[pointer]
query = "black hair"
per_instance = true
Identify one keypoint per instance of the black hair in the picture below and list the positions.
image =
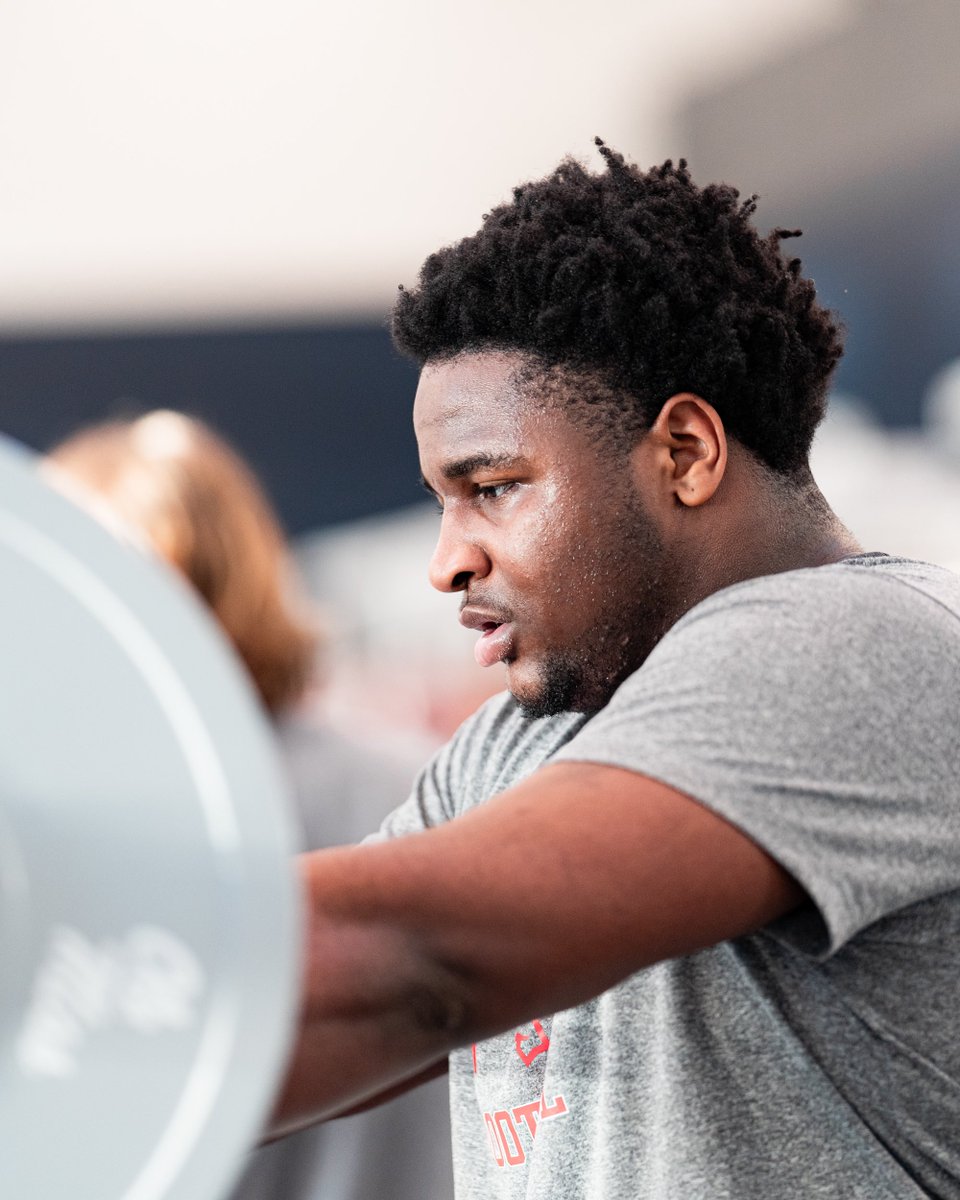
(647, 285)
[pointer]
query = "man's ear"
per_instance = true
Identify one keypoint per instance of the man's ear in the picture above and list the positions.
(689, 448)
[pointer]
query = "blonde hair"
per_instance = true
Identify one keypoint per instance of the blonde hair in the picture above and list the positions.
(170, 477)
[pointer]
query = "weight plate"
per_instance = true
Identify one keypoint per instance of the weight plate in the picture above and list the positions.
(149, 923)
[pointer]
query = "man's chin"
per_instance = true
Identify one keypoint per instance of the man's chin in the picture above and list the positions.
(553, 688)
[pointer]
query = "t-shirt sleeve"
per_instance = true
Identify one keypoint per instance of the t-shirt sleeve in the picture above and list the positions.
(821, 717)
(432, 799)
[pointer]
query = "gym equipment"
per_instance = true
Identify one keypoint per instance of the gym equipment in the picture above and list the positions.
(149, 913)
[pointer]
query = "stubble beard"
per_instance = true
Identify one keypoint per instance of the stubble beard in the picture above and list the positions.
(585, 682)
(560, 686)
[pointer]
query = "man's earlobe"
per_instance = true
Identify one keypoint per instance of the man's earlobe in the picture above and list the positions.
(690, 431)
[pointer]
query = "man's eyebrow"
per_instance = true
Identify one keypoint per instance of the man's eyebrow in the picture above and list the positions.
(459, 468)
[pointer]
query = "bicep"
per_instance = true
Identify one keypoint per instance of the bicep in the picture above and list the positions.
(578, 877)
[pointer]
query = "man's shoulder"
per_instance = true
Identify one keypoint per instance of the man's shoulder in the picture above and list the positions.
(862, 587)
(875, 618)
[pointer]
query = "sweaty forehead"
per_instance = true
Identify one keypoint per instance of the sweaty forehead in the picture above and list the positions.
(467, 391)
(488, 409)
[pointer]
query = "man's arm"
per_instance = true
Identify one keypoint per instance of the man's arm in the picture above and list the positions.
(537, 901)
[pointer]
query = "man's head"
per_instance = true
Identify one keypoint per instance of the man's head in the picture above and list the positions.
(561, 340)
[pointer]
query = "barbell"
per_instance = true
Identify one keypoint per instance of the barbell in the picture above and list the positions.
(149, 914)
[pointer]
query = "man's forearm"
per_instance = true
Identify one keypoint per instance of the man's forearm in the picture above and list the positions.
(377, 1010)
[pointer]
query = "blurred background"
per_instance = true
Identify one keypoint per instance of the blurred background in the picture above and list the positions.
(208, 206)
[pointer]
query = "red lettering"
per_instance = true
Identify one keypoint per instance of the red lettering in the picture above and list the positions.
(528, 1113)
(538, 1041)
(504, 1126)
(494, 1140)
(557, 1108)
(504, 1135)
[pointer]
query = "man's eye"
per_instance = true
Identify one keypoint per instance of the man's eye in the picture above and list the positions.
(493, 491)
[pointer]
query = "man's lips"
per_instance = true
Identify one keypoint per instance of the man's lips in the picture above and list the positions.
(494, 645)
(496, 635)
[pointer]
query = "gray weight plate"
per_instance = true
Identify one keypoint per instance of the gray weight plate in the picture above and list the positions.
(149, 924)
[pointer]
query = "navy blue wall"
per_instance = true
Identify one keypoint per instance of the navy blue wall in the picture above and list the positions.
(885, 253)
(322, 412)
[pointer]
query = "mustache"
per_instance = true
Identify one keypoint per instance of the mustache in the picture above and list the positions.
(490, 605)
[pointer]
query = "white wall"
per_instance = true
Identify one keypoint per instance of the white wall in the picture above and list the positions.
(180, 159)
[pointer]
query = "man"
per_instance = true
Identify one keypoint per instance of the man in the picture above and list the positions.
(715, 827)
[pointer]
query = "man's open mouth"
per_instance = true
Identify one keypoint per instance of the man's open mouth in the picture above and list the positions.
(494, 644)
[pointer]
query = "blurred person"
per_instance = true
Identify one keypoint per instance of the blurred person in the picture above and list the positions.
(167, 480)
(680, 912)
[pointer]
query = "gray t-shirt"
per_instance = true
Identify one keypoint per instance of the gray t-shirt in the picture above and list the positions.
(819, 711)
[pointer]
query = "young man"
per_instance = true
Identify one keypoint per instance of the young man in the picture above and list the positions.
(715, 826)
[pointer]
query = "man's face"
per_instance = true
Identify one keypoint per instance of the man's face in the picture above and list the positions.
(562, 570)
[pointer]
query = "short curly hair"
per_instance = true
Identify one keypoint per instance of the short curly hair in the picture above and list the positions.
(647, 285)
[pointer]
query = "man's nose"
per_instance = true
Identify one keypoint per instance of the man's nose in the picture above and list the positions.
(457, 558)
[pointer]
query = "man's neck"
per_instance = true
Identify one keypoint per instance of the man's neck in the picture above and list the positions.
(766, 530)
